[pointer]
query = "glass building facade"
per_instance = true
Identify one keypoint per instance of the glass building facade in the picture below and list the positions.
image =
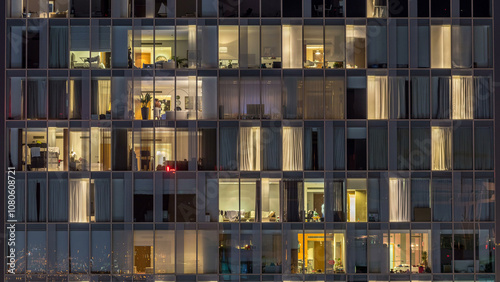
(250, 140)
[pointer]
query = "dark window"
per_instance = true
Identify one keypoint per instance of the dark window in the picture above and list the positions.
(356, 148)
(398, 8)
(271, 8)
(249, 8)
(186, 8)
(440, 8)
(292, 8)
(356, 8)
(101, 8)
(207, 149)
(334, 8)
(227, 8)
(482, 8)
(462, 8)
(422, 8)
(356, 98)
(80, 9)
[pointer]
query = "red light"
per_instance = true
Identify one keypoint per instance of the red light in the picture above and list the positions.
(169, 169)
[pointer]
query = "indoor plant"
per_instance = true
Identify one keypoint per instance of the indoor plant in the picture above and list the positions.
(145, 99)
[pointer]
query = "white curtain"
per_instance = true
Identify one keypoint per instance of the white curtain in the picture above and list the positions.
(462, 47)
(104, 88)
(292, 46)
(441, 148)
(399, 193)
(377, 97)
(249, 148)
(292, 148)
(462, 97)
(79, 200)
(440, 46)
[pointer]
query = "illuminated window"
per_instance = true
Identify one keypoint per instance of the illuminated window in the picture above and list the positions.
(356, 200)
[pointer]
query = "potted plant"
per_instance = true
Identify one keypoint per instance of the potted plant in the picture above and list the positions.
(179, 61)
(145, 99)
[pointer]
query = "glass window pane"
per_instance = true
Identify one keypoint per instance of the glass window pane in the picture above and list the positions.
(292, 46)
(356, 200)
(270, 51)
(228, 46)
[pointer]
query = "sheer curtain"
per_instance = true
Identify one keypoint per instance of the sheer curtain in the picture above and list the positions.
(292, 46)
(250, 97)
(441, 97)
(271, 148)
(420, 97)
(462, 147)
(79, 200)
(461, 52)
(36, 97)
(399, 199)
(36, 201)
(377, 97)
(58, 46)
(249, 148)
(314, 102)
(483, 97)
(399, 97)
(462, 97)
(441, 148)
(440, 46)
(101, 96)
(58, 99)
(58, 200)
(334, 100)
(102, 196)
(228, 98)
(271, 97)
(292, 148)
(228, 148)
(377, 147)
